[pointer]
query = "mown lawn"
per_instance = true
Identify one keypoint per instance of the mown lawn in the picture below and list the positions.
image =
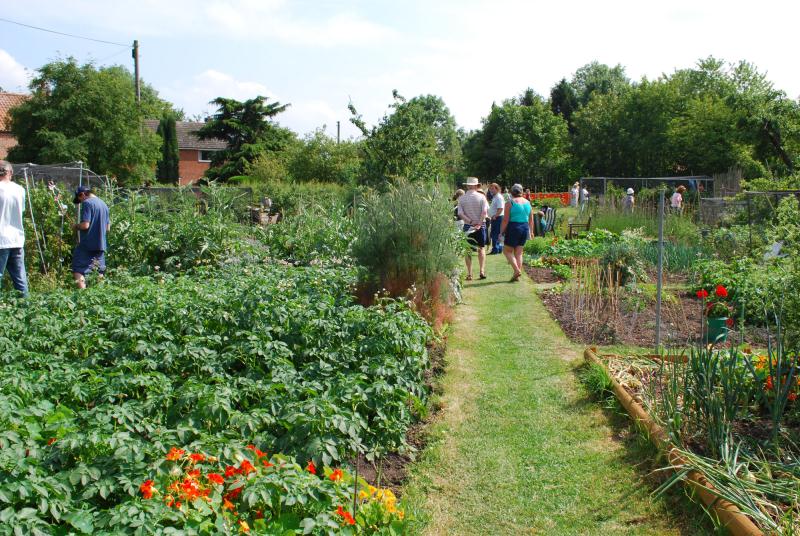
(520, 448)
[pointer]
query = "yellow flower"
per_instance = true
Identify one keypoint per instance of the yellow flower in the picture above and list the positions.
(400, 514)
(372, 489)
(243, 526)
(363, 495)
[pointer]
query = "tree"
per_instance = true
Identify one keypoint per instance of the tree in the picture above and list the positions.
(167, 168)
(521, 141)
(564, 101)
(321, 158)
(80, 112)
(248, 129)
(418, 141)
(599, 79)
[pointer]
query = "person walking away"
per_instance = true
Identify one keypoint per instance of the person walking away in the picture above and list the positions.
(584, 199)
(517, 228)
(12, 232)
(473, 210)
(676, 201)
(573, 194)
(496, 210)
(628, 202)
(95, 223)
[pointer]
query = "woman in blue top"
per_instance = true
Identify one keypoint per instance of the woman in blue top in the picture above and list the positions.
(517, 227)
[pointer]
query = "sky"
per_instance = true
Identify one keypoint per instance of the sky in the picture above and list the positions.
(318, 56)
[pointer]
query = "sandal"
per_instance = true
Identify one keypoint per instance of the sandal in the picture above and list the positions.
(468, 278)
(515, 277)
(482, 276)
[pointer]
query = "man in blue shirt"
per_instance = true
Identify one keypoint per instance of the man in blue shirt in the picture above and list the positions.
(90, 252)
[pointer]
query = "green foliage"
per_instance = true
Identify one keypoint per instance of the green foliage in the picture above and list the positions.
(248, 129)
(98, 384)
(596, 380)
(523, 143)
(167, 167)
(599, 79)
(622, 260)
(321, 159)
(536, 246)
(79, 112)
(406, 237)
(417, 142)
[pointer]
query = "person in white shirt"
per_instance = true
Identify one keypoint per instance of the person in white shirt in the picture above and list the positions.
(573, 194)
(676, 201)
(473, 210)
(496, 210)
(629, 201)
(12, 232)
(584, 199)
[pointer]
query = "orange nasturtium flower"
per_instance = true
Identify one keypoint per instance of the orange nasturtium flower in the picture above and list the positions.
(215, 478)
(266, 463)
(230, 471)
(346, 515)
(311, 468)
(227, 505)
(336, 475)
(246, 467)
(197, 457)
(147, 489)
(175, 454)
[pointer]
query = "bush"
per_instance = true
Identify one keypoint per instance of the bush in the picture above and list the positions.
(406, 239)
(536, 246)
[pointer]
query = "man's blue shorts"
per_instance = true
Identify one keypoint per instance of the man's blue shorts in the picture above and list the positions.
(84, 261)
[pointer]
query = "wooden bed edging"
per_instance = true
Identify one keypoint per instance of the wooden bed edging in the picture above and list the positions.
(729, 515)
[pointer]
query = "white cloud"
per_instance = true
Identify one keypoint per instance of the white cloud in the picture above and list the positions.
(13, 75)
(195, 97)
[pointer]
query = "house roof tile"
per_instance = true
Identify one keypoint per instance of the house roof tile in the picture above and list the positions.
(187, 139)
(8, 101)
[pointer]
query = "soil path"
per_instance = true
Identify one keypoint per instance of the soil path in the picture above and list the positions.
(519, 447)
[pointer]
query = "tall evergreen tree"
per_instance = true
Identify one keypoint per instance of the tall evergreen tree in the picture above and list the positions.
(167, 168)
(564, 102)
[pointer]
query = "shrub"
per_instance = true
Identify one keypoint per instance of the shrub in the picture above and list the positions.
(406, 239)
(536, 246)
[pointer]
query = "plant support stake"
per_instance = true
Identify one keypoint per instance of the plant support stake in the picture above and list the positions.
(660, 268)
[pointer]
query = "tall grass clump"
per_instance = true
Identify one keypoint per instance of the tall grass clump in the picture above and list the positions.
(407, 243)
(678, 227)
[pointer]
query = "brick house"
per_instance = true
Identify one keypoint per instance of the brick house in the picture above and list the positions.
(195, 154)
(8, 101)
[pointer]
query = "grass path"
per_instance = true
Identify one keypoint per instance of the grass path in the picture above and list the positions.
(519, 448)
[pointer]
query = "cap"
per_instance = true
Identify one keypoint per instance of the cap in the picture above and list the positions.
(80, 190)
(630, 191)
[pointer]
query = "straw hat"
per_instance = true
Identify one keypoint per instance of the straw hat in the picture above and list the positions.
(472, 181)
(630, 191)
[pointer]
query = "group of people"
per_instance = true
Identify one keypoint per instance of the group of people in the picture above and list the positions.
(92, 228)
(507, 221)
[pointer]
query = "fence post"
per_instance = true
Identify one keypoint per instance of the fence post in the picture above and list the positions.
(660, 275)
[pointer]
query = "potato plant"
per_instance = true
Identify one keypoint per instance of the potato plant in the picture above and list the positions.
(98, 385)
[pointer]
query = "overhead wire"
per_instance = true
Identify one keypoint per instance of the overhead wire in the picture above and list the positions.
(64, 33)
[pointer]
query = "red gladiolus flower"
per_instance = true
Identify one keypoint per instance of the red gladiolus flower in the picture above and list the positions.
(175, 454)
(197, 457)
(702, 293)
(346, 515)
(147, 489)
(215, 478)
(336, 475)
(311, 468)
(721, 291)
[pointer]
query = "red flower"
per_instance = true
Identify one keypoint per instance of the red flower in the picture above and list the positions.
(250, 447)
(266, 463)
(232, 494)
(311, 468)
(768, 385)
(246, 467)
(336, 475)
(721, 291)
(702, 293)
(259, 514)
(346, 515)
(195, 474)
(175, 454)
(147, 489)
(197, 457)
(729, 322)
(231, 471)
(51, 440)
(215, 478)
(792, 397)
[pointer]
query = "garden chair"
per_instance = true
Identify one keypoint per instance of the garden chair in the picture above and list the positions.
(574, 228)
(549, 222)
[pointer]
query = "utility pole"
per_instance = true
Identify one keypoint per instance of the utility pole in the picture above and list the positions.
(135, 55)
(338, 131)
